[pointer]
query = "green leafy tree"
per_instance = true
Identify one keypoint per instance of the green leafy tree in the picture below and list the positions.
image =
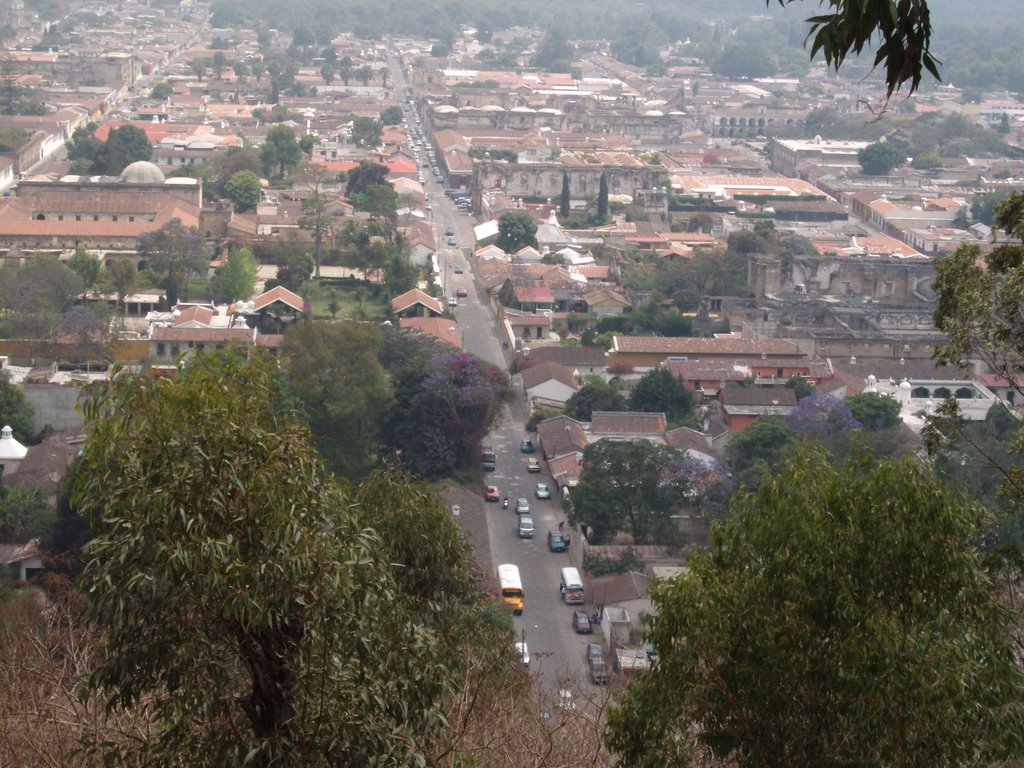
(926, 161)
(245, 599)
(841, 617)
(125, 145)
(658, 391)
(35, 295)
(755, 449)
(983, 206)
(596, 395)
(15, 411)
(392, 115)
(602, 200)
(981, 311)
(563, 203)
(293, 269)
(86, 265)
(86, 150)
(236, 279)
(243, 189)
(742, 60)
(24, 514)
(880, 158)
(400, 275)
(122, 278)
(801, 387)
(280, 150)
(162, 91)
(366, 174)
(334, 372)
(516, 230)
(379, 200)
(316, 220)
(218, 62)
(874, 411)
(366, 132)
(177, 252)
(328, 72)
(628, 486)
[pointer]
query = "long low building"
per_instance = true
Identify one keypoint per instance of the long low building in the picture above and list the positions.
(641, 352)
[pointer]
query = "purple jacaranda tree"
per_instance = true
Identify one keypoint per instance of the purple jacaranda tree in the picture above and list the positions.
(821, 416)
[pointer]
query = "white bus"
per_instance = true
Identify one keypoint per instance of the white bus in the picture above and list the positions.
(511, 587)
(572, 587)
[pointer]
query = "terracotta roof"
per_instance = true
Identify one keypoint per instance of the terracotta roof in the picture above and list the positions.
(202, 315)
(236, 335)
(561, 435)
(627, 423)
(704, 346)
(279, 294)
(566, 469)
(416, 296)
(590, 357)
(619, 587)
(270, 340)
(775, 396)
(441, 328)
(545, 371)
(684, 438)
(533, 294)
(16, 553)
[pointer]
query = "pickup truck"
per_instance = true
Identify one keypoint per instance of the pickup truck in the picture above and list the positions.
(489, 458)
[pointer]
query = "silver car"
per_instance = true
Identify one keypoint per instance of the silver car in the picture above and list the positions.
(543, 492)
(522, 506)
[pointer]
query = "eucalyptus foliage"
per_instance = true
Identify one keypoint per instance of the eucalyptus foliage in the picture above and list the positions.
(262, 614)
(841, 617)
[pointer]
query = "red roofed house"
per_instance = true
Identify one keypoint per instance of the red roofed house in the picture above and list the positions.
(742, 405)
(649, 351)
(416, 303)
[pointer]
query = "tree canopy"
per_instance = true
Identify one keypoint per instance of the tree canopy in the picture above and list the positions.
(516, 230)
(261, 613)
(243, 189)
(15, 411)
(334, 372)
(840, 617)
(880, 158)
(660, 392)
(631, 486)
(596, 395)
(236, 279)
(176, 251)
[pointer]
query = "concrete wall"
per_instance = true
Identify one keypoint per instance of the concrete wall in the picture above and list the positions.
(54, 404)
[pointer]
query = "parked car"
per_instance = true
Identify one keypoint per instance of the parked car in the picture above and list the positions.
(491, 494)
(452, 241)
(452, 301)
(556, 541)
(525, 527)
(449, 232)
(594, 650)
(522, 506)
(543, 492)
(523, 654)
(581, 623)
(461, 292)
(533, 465)
(526, 446)
(598, 669)
(458, 271)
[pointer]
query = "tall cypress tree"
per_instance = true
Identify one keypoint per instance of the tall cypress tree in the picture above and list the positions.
(563, 208)
(602, 199)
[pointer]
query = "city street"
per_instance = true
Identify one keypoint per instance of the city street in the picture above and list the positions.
(556, 650)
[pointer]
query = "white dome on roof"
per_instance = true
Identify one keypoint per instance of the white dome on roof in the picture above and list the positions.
(11, 449)
(445, 109)
(142, 172)
(491, 108)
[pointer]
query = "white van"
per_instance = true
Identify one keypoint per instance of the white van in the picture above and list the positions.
(572, 587)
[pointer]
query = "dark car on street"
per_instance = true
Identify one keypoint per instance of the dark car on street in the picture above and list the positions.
(581, 623)
(526, 446)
